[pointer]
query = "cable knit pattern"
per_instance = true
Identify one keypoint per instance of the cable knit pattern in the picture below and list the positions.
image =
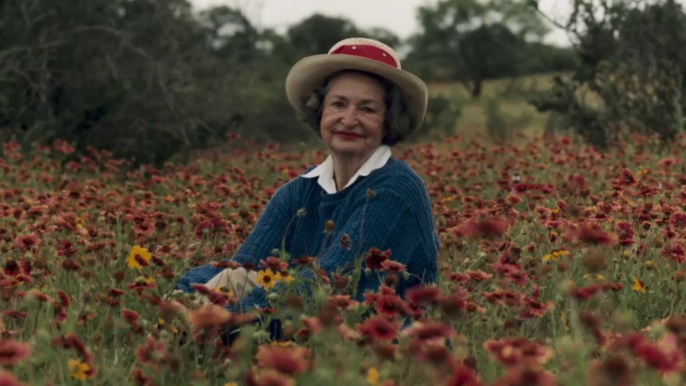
(398, 217)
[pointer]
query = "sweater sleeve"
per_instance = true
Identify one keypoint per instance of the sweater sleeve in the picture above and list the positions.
(267, 234)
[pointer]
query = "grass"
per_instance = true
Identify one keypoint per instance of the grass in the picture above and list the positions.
(509, 93)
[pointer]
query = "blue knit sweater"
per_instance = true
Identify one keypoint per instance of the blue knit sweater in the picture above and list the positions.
(398, 217)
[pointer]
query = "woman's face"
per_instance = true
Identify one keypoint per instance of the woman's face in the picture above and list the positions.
(353, 115)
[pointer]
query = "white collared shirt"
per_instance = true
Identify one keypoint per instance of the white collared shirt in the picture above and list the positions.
(325, 170)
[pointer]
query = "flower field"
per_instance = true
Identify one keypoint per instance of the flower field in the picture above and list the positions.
(559, 265)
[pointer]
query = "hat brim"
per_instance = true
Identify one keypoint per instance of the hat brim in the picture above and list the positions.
(310, 73)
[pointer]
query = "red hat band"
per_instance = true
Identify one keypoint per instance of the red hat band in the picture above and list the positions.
(368, 52)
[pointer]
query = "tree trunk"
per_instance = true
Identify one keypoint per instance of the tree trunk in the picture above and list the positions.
(477, 88)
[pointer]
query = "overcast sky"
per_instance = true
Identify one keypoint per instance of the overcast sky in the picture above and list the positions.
(395, 15)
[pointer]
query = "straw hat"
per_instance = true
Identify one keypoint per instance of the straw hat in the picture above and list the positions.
(356, 54)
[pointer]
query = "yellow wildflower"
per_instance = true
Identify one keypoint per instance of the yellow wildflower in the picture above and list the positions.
(286, 278)
(266, 278)
(142, 252)
(563, 319)
(79, 370)
(554, 256)
(373, 376)
(594, 276)
(638, 285)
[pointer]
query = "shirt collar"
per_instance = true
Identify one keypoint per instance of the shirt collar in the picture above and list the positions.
(325, 170)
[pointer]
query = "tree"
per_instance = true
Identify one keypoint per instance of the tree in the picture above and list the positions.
(473, 40)
(318, 33)
(631, 64)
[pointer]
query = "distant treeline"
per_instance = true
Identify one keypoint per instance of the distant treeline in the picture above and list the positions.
(147, 79)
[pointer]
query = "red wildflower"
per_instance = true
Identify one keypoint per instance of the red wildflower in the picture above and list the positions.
(378, 328)
(429, 330)
(484, 228)
(664, 356)
(376, 257)
(464, 376)
(289, 361)
(152, 352)
(392, 266)
(343, 302)
(389, 305)
(626, 233)
(8, 379)
(272, 378)
(526, 377)
(130, 316)
(13, 352)
(26, 243)
(518, 351)
(453, 304)
(209, 317)
(593, 233)
(675, 252)
(419, 296)
(275, 264)
(586, 293)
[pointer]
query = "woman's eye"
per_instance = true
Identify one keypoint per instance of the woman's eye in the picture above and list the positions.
(368, 110)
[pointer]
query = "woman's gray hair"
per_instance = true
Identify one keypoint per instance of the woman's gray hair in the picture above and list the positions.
(399, 123)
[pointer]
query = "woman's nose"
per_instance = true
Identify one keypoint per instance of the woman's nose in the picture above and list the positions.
(350, 117)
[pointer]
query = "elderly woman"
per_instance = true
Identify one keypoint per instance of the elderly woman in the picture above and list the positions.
(361, 103)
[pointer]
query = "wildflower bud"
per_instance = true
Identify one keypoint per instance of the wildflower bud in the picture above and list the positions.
(657, 242)
(470, 362)
(546, 269)
(261, 335)
(70, 265)
(679, 276)
(616, 367)
(594, 261)
(626, 254)
(243, 213)
(566, 287)
(273, 297)
(329, 227)
(294, 302)
(676, 324)
(391, 280)
(288, 330)
(590, 320)
(97, 337)
(320, 295)
(567, 346)
(197, 375)
(385, 351)
(40, 263)
(649, 265)
(119, 276)
(327, 315)
(562, 266)
(623, 321)
(510, 324)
